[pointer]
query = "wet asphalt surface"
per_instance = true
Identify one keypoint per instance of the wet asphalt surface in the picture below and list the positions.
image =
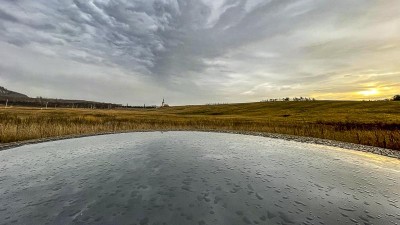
(195, 178)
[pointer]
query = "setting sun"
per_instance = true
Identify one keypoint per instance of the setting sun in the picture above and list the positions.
(369, 92)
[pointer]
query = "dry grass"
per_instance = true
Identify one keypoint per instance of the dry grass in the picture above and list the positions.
(368, 123)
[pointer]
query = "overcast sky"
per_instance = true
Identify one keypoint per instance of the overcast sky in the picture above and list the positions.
(200, 51)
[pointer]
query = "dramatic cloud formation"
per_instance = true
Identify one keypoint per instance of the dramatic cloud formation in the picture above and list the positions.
(200, 51)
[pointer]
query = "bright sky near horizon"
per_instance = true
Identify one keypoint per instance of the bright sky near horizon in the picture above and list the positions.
(200, 51)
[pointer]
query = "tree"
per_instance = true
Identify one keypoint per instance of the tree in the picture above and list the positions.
(396, 98)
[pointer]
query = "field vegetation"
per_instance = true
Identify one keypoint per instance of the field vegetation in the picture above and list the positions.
(369, 123)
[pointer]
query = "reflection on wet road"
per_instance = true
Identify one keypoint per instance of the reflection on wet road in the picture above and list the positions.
(195, 178)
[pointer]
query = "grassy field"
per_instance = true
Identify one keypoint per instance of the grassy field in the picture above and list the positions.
(368, 123)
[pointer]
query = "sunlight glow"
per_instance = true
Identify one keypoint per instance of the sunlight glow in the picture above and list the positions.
(369, 92)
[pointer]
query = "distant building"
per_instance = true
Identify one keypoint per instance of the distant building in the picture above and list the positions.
(163, 104)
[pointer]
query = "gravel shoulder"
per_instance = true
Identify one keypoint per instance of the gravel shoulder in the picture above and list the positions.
(364, 148)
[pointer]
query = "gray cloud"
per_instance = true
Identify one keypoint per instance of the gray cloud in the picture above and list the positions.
(199, 51)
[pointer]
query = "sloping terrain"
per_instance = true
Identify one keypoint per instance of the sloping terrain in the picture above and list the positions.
(11, 94)
(13, 98)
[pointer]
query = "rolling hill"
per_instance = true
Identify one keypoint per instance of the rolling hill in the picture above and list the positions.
(13, 98)
(10, 94)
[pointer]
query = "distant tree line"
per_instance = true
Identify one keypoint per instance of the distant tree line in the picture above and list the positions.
(287, 99)
(306, 99)
(62, 103)
(222, 103)
(394, 98)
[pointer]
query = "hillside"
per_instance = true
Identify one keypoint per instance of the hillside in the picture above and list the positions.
(10, 94)
(311, 111)
(13, 98)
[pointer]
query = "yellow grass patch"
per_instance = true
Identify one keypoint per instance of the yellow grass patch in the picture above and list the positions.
(368, 123)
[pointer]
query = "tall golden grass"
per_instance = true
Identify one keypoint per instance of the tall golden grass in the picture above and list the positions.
(368, 123)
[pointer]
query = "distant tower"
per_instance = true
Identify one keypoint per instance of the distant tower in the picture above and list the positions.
(162, 103)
